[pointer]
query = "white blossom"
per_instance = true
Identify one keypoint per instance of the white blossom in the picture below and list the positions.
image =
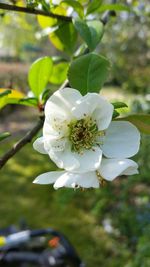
(78, 130)
(108, 170)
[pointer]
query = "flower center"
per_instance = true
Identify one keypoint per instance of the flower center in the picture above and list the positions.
(84, 134)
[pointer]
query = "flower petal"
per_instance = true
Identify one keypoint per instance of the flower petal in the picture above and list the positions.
(103, 114)
(112, 168)
(96, 106)
(55, 144)
(64, 159)
(75, 162)
(122, 140)
(85, 105)
(39, 145)
(48, 177)
(88, 161)
(87, 180)
(62, 100)
(74, 180)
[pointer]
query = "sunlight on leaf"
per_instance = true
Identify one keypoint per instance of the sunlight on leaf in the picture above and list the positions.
(64, 37)
(45, 22)
(59, 73)
(9, 96)
(114, 7)
(39, 74)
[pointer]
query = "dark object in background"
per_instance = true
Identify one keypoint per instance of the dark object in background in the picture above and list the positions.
(43, 248)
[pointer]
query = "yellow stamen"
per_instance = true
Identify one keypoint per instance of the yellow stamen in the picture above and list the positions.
(102, 181)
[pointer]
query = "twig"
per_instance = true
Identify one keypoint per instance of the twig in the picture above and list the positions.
(34, 12)
(22, 142)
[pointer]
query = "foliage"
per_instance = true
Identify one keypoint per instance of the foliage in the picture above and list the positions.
(88, 73)
(39, 74)
(90, 31)
(8, 96)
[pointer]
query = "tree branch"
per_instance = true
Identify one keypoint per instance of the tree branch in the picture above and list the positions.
(22, 142)
(34, 12)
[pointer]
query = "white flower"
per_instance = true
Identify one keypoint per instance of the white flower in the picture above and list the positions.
(78, 130)
(108, 170)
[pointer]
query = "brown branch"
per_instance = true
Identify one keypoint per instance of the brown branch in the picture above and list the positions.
(34, 12)
(22, 142)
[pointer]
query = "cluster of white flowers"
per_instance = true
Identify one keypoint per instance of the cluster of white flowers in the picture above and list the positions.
(81, 138)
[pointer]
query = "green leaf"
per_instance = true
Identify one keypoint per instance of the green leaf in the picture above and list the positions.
(88, 73)
(59, 73)
(116, 114)
(76, 6)
(29, 101)
(39, 74)
(93, 6)
(91, 31)
(141, 121)
(9, 97)
(45, 22)
(4, 135)
(118, 105)
(64, 37)
(5, 92)
(114, 7)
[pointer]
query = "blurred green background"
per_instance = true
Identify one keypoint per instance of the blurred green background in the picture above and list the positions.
(110, 226)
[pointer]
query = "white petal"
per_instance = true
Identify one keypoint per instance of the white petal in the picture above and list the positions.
(103, 114)
(64, 159)
(55, 130)
(112, 168)
(85, 105)
(73, 180)
(39, 145)
(74, 162)
(67, 180)
(89, 161)
(122, 140)
(48, 177)
(96, 106)
(55, 144)
(88, 180)
(49, 130)
(62, 100)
